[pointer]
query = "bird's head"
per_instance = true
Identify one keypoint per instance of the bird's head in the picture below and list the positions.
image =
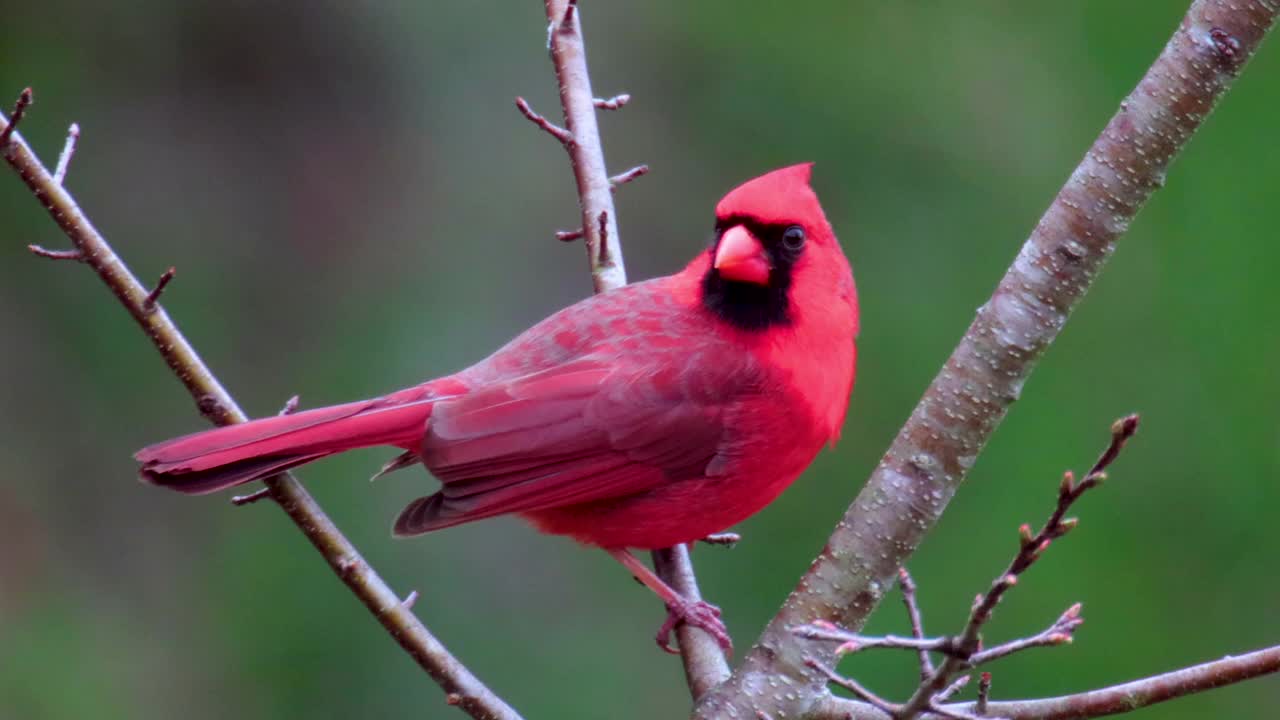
(775, 256)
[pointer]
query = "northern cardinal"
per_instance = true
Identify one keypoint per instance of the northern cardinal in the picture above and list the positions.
(644, 417)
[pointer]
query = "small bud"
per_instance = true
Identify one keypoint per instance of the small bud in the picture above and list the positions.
(1098, 478)
(1024, 534)
(824, 625)
(1068, 483)
(846, 647)
(1060, 639)
(1043, 546)
(1125, 426)
(1010, 580)
(1068, 525)
(453, 699)
(1073, 611)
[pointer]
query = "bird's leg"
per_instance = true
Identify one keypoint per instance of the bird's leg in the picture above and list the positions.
(680, 609)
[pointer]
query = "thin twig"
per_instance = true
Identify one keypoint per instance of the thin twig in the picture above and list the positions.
(290, 406)
(1142, 693)
(19, 111)
(855, 687)
(251, 498)
(563, 136)
(149, 302)
(617, 102)
(929, 459)
(603, 223)
(1060, 632)
(1030, 549)
(56, 254)
(908, 588)
(68, 149)
(984, 694)
(216, 404)
(727, 539)
(950, 691)
(1111, 700)
(621, 179)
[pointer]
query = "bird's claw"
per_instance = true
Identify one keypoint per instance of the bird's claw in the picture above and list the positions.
(700, 614)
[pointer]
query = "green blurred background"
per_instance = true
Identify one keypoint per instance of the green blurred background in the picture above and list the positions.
(353, 205)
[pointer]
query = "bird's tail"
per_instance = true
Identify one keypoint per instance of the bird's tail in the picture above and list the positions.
(212, 460)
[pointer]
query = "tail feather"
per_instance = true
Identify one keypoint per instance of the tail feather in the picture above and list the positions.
(203, 482)
(215, 459)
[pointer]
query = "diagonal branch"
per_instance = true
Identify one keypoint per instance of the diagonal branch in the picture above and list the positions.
(1112, 700)
(925, 465)
(705, 664)
(215, 403)
(586, 154)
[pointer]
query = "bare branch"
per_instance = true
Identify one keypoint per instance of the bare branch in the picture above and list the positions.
(950, 691)
(1060, 632)
(621, 179)
(149, 302)
(854, 687)
(19, 110)
(908, 587)
(290, 406)
(927, 462)
(68, 149)
(705, 665)
(727, 539)
(56, 254)
(962, 652)
(1141, 693)
(704, 661)
(603, 229)
(984, 694)
(564, 136)
(1111, 700)
(216, 404)
(251, 498)
(614, 103)
(586, 154)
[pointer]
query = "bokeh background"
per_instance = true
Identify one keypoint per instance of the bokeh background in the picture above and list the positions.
(353, 205)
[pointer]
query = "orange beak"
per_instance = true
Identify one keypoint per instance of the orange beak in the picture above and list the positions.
(741, 257)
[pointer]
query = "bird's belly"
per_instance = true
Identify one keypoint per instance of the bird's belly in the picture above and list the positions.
(680, 511)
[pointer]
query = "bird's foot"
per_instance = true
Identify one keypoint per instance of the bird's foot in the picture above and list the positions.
(700, 614)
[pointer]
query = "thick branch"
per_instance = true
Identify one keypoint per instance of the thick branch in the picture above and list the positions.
(1112, 700)
(704, 662)
(960, 410)
(463, 689)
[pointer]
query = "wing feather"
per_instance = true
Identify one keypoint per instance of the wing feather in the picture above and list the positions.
(589, 430)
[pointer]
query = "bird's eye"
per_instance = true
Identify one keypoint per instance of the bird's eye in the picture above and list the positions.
(793, 237)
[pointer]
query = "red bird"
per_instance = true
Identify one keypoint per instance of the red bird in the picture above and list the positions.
(644, 417)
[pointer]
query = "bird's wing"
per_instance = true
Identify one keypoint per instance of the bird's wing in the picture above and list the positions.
(587, 430)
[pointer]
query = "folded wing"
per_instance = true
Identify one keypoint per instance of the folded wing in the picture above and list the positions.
(585, 431)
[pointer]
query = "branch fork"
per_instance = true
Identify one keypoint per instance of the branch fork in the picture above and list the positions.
(964, 652)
